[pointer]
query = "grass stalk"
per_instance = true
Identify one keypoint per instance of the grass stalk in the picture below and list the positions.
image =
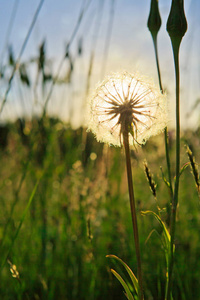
(154, 37)
(176, 27)
(175, 47)
(133, 212)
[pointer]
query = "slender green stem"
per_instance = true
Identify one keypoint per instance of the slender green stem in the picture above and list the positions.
(20, 54)
(175, 46)
(168, 162)
(133, 212)
(154, 37)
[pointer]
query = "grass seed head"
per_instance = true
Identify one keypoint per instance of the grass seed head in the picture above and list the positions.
(194, 167)
(150, 180)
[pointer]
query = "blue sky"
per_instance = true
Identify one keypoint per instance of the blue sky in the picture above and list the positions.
(130, 48)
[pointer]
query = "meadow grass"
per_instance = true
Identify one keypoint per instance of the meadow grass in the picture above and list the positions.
(80, 214)
(64, 203)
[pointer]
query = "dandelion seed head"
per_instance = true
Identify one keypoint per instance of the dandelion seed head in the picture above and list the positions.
(126, 102)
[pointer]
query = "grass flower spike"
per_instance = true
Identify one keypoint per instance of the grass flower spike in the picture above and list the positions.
(126, 102)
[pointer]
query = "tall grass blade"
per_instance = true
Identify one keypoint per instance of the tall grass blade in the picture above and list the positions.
(165, 231)
(20, 224)
(20, 54)
(123, 283)
(129, 271)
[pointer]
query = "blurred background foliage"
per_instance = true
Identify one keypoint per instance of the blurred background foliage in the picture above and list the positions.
(80, 213)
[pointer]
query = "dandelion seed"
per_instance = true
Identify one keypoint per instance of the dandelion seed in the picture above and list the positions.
(126, 102)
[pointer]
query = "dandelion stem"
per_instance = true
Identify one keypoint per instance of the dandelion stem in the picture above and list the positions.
(133, 212)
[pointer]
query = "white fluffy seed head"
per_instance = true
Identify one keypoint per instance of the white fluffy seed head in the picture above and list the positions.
(123, 102)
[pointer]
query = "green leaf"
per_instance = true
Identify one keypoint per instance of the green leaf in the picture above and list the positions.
(151, 233)
(167, 236)
(182, 170)
(165, 179)
(123, 283)
(131, 274)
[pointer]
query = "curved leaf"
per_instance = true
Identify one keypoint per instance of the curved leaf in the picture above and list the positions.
(167, 236)
(129, 271)
(123, 283)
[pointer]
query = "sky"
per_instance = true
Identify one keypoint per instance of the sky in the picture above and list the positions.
(115, 32)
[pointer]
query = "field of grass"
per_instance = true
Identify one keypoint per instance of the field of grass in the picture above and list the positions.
(55, 247)
(65, 222)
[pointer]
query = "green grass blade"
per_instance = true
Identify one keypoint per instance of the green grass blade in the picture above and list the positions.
(165, 231)
(123, 283)
(20, 224)
(165, 179)
(130, 272)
